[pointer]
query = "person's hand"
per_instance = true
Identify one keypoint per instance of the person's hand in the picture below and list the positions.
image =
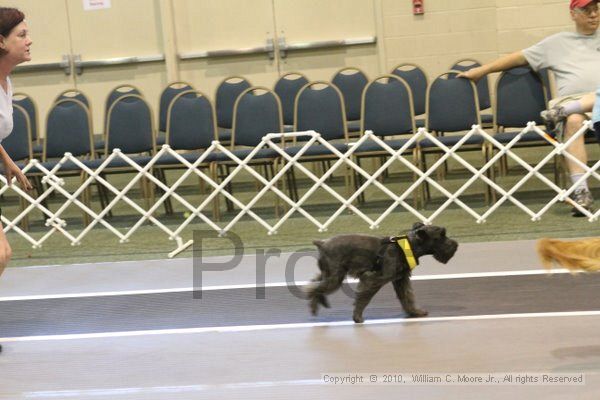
(12, 170)
(5, 250)
(473, 74)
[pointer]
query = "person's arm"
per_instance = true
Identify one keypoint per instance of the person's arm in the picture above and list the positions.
(508, 61)
(11, 169)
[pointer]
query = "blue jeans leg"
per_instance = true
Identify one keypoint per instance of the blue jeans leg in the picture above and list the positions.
(596, 115)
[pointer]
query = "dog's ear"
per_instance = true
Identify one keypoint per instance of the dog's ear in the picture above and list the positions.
(422, 234)
(418, 229)
(417, 225)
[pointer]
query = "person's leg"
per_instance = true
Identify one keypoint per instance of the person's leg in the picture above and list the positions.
(5, 253)
(566, 115)
(596, 115)
(581, 194)
(588, 101)
(555, 116)
(577, 148)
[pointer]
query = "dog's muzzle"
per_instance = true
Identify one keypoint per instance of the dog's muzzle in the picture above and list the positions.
(446, 252)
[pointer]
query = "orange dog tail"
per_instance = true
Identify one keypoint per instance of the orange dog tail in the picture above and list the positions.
(574, 255)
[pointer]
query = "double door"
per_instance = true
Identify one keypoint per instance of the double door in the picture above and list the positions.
(263, 39)
(149, 43)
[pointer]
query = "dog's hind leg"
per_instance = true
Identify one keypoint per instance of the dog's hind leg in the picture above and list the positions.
(323, 301)
(320, 298)
(365, 292)
(317, 294)
(404, 292)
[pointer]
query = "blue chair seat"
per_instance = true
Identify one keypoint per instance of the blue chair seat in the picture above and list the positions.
(487, 119)
(118, 162)
(243, 153)
(451, 141)
(420, 122)
(169, 159)
(505, 137)
(372, 146)
(316, 150)
(353, 126)
(224, 134)
(69, 166)
(38, 148)
(99, 145)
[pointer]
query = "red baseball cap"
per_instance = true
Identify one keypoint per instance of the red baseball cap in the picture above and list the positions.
(580, 3)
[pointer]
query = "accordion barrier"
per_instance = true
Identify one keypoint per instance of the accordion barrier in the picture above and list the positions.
(55, 184)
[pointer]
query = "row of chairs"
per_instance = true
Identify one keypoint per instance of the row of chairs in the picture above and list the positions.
(387, 108)
(350, 80)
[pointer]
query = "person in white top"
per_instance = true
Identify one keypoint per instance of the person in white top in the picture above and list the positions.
(574, 58)
(14, 49)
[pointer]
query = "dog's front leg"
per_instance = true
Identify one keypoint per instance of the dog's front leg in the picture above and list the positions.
(404, 292)
(364, 293)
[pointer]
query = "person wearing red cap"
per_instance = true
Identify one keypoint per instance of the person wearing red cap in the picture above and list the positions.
(574, 58)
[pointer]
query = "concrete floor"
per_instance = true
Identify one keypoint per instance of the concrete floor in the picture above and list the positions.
(262, 360)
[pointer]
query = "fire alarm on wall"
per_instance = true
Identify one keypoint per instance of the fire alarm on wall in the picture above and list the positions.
(418, 8)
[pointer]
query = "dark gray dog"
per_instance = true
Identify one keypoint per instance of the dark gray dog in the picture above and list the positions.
(375, 261)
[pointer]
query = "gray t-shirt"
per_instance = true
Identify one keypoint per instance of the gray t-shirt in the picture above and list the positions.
(574, 58)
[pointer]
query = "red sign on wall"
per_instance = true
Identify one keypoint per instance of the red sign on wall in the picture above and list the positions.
(418, 7)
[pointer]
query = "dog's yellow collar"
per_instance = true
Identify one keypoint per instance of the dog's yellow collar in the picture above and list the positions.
(404, 245)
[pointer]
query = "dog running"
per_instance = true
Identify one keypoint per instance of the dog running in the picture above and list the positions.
(583, 254)
(375, 261)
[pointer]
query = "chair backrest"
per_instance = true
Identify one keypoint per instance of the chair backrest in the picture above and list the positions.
(520, 97)
(168, 93)
(257, 112)
(387, 107)
(287, 87)
(483, 86)
(18, 144)
(351, 82)
(417, 80)
(73, 94)
(320, 107)
(27, 102)
(191, 121)
(547, 78)
(227, 93)
(68, 129)
(130, 126)
(452, 104)
(116, 93)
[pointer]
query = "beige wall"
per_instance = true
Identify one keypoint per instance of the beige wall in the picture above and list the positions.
(449, 30)
(454, 29)
(516, 29)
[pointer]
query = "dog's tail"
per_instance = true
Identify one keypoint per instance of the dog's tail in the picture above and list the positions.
(573, 255)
